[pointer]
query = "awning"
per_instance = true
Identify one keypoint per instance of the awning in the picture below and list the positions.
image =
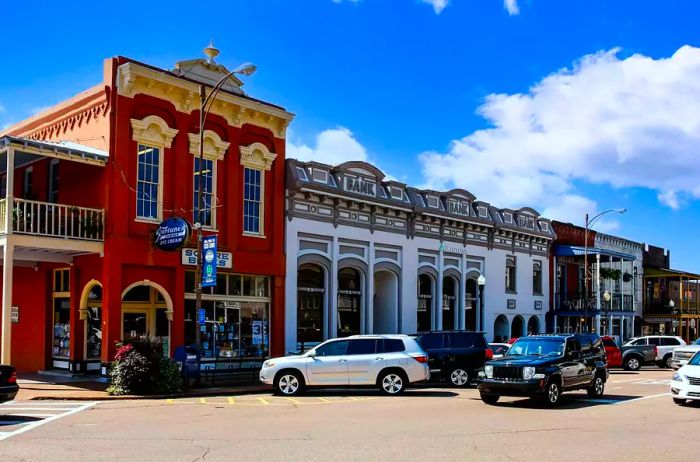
(577, 251)
(26, 149)
(669, 273)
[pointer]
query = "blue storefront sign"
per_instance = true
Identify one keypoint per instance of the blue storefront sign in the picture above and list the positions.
(202, 316)
(209, 261)
(172, 234)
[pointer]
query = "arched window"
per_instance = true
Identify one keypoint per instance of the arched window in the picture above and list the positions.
(310, 300)
(425, 302)
(349, 301)
(449, 302)
(510, 274)
(537, 278)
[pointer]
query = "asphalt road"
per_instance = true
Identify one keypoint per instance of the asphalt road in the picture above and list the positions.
(637, 420)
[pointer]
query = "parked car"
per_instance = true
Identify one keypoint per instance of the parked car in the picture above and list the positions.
(612, 352)
(682, 355)
(499, 349)
(685, 384)
(636, 356)
(389, 362)
(8, 383)
(455, 356)
(665, 345)
(544, 366)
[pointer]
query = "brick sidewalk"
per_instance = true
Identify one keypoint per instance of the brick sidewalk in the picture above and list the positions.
(40, 387)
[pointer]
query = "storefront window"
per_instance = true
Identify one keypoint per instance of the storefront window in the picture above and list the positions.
(61, 327)
(310, 297)
(448, 303)
(93, 324)
(425, 302)
(236, 326)
(349, 300)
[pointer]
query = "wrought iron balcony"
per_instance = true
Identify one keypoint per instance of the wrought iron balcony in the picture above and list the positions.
(47, 219)
(588, 303)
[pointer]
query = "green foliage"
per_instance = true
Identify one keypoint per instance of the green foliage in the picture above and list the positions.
(140, 368)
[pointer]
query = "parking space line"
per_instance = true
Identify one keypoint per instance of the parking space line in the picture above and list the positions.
(325, 400)
(645, 397)
(24, 414)
(264, 401)
(26, 426)
(295, 401)
(231, 400)
(202, 401)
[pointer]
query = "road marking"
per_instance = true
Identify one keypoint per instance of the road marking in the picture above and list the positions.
(295, 401)
(645, 397)
(325, 400)
(169, 401)
(46, 418)
(264, 401)
(202, 401)
(231, 400)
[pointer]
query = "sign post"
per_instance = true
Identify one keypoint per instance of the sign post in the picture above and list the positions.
(209, 261)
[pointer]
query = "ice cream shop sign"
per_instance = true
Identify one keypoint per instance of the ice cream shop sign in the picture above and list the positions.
(172, 234)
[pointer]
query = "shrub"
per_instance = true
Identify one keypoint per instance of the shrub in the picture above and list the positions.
(140, 368)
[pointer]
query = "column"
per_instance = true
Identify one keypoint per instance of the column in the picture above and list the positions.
(438, 311)
(333, 279)
(369, 305)
(461, 317)
(622, 328)
(597, 292)
(622, 286)
(8, 256)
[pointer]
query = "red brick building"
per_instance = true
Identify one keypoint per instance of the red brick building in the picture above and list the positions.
(92, 178)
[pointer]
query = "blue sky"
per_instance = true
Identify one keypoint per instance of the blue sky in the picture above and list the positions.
(566, 106)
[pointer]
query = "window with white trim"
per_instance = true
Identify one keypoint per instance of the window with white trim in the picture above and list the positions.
(148, 182)
(208, 178)
(252, 201)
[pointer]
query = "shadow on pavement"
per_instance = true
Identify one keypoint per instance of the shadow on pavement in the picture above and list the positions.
(567, 402)
(9, 420)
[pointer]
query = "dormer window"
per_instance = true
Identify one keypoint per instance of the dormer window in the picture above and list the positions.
(320, 175)
(483, 212)
(508, 217)
(432, 201)
(396, 193)
(544, 226)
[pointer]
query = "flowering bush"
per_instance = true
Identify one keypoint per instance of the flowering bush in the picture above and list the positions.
(140, 368)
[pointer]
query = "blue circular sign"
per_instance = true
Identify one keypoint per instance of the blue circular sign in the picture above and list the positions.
(172, 234)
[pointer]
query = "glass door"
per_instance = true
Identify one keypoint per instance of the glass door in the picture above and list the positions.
(135, 324)
(61, 327)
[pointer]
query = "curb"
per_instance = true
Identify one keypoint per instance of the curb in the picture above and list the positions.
(197, 394)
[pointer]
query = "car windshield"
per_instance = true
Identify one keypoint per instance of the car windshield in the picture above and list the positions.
(697, 342)
(695, 360)
(537, 346)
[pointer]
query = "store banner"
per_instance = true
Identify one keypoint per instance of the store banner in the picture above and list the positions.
(257, 332)
(209, 262)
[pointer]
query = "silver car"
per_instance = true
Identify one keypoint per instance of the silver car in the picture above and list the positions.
(390, 362)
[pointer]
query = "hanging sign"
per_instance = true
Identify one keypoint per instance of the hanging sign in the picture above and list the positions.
(209, 261)
(172, 234)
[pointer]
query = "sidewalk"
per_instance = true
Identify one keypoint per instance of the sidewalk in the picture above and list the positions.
(50, 387)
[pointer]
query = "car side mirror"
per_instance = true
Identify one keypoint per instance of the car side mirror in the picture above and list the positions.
(312, 354)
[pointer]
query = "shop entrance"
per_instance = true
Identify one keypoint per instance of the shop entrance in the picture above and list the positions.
(145, 314)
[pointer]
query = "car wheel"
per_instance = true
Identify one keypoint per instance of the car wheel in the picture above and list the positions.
(679, 401)
(597, 388)
(289, 384)
(392, 383)
(633, 364)
(459, 377)
(667, 362)
(489, 399)
(552, 394)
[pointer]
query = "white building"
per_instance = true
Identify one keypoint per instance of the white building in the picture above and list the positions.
(365, 255)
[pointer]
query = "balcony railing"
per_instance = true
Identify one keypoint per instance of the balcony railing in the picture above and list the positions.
(581, 302)
(53, 220)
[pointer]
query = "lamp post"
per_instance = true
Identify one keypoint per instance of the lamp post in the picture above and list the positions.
(481, 281)
(590, 223)
(204, 108)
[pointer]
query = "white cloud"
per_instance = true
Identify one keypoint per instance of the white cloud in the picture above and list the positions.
(629, 122)
(670, 198)
(333, 146)
(438, 5)
(511, 6)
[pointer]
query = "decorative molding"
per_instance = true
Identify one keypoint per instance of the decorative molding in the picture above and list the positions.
(153, 130)
(214, 147)
(257, 156)
(136, 79)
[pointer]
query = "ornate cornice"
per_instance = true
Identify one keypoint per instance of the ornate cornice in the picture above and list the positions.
(70, 122)
(257, 156)
(136, 79)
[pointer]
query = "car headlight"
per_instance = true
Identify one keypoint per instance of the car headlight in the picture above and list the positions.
(528, 372)
(488, 370)
(268, 364)
(677, 377)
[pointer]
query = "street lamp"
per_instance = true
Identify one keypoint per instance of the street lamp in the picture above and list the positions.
(481, 281)
(590, 223)
(204, 108)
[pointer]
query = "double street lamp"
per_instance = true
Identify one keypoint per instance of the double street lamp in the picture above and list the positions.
(206, 102)
(590, 223)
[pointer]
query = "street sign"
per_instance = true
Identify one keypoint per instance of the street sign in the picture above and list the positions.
(209, 262)
(202, 316)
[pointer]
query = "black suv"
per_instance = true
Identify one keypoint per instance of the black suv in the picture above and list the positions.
(455, 355)
(544, 366)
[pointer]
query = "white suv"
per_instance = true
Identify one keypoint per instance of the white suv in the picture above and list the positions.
(665, 346)
(390, 362)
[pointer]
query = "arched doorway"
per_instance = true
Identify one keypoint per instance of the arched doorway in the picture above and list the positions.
(471, 304)
(516, 329)
(311, 292)
(533, 325)
(386, 302)
(425, 303)
(349, 301)
(501, 329)
(91, 313)
(449, 302)
(146, 312)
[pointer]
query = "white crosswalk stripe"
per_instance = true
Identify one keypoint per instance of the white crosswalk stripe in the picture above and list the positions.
(17, 417)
